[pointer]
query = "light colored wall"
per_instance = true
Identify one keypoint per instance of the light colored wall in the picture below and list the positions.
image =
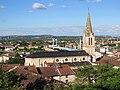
(70, 78)
(9, 49)
(4, 58)
(89, 48)
(40, 62)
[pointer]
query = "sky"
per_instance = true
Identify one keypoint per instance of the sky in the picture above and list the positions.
(58, 17)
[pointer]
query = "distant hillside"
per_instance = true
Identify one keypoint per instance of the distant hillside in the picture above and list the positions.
(42, 37)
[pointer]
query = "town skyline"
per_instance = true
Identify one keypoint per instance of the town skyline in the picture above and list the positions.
(60, 17)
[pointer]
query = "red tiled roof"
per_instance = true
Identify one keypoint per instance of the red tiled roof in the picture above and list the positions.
(31, 76)
(50, 65)
(110, 58)
(7, 67)
(65, 65)
(66, 71)
(111, 62)
(30, 72)
(48, 71)
(32, 69)
(52, 71)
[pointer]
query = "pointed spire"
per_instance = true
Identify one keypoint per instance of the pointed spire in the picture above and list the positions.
(88, 24)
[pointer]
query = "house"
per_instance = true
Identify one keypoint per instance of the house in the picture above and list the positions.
(117, 53)
(111, 60)
(65, 75)
(4, 57)
(43, 75)
(40, 59)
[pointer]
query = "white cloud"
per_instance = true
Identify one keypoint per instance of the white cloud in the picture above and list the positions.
(38, 6)
(50, 4)
(87, 1)
(62, 6)
(62, 30)
(108, 30)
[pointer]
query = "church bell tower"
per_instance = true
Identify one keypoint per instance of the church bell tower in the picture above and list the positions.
(89, 39)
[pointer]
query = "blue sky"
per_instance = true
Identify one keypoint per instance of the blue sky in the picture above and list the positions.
(58, 17)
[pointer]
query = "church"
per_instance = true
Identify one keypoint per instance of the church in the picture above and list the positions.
(41, 59)
(89, 40)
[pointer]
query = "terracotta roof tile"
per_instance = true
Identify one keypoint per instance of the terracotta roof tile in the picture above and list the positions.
(66, 71)
(48, 71)
(31, 76)
(109, 60)
(31, 69)
(7, 67)
(30, 72)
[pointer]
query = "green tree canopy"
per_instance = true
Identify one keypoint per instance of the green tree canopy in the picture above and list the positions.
(10, 81)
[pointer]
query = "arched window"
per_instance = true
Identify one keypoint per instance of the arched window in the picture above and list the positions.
(45, 63)
(66, 81)
(66, 59)
(57, 60)
(89, 41)
(83, 58)
(75, 59)
(66, 76)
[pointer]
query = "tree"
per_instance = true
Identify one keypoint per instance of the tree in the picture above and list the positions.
(10, 81)
(17, 60)
(24, 43)
(86, 74)
(106, 78)
(109, 78)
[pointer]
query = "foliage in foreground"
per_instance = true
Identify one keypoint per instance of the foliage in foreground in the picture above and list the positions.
(16, 60)
(10, 81)
(102, 77)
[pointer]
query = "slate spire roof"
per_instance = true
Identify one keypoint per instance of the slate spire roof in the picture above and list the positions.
(88, 30)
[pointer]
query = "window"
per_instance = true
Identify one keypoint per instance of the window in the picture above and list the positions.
(80, 60)
(75, 59)
(66, 81)
(45, 63)
(66, 59)
(57, 60)
(89, 41)
(83, 58)
(66, 76)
